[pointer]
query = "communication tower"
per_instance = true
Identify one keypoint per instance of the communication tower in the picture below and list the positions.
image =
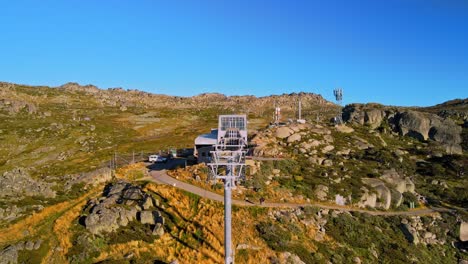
(338, 93)
(228, 164)
(277, 115)
(299, 106)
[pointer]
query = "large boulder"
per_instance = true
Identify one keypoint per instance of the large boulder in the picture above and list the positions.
(414, 124)
(400, 183)
(368, 199)
(425, 126)
(294, 138)
(383, 192)
(464, 231)
(283, 132)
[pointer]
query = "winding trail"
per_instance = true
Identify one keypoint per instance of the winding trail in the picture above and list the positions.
(161, 177)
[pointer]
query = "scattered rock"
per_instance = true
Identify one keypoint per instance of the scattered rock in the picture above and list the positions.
(410, 233)
(291, 258)
(316, 160)
(464, 231)
(344, 129)
(327, 149)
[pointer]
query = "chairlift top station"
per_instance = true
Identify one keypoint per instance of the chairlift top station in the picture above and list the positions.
(229, 126)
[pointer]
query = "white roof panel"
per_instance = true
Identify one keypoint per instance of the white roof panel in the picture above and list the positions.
(207, 139)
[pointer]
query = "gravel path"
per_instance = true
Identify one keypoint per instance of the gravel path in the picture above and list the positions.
(162, 178)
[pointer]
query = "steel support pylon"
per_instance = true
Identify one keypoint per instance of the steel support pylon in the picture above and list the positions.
(228, 163)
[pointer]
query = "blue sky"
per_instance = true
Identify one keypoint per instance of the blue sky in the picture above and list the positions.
(398, 52)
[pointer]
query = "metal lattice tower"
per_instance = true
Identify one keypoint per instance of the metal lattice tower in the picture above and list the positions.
(338, 93)
(228, 164)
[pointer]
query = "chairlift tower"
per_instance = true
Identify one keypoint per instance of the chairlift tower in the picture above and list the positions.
(338, 93)
(228, 164)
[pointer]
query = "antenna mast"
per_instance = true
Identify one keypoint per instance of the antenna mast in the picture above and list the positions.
(277, 114)
(338, 93)
(299, 106)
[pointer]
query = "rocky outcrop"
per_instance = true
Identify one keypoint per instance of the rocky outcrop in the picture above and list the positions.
(122, 203)
(16, 106)
(18, 183)
(75, 87)
(14, 212)
(389, 190)
(420, 125)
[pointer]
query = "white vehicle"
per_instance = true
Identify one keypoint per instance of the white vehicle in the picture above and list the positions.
(153, 158)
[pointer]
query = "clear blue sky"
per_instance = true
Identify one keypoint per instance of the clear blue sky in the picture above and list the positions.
(399, 52)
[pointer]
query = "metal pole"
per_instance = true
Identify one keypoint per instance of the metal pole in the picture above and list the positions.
(300, 108)
(227, 221)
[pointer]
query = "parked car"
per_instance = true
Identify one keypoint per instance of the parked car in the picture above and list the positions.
(153, 158)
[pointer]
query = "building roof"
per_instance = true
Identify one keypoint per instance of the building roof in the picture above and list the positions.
(207, 139)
